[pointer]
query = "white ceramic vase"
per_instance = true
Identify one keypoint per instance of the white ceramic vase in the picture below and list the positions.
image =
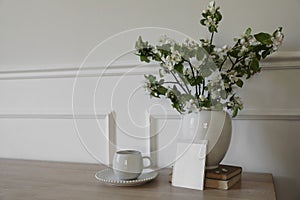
(214, 126)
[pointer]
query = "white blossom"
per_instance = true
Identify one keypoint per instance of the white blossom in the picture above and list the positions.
(242, 41)
(188, 72)
(166, 40)
(186, 40)
(168, 62)
(147, 90)
(211, 5)
(226, 85)
(170, 93)
(233, 77)
(218, 50)
(190, 106)
(230, 104)
(238, 100)
(252, 55)
(252, 41)
(277, 40)
(202, 97)
(244, 49)
(225, 47)
(190, 44)
(214, 94)
(155, 51)
(210, 22)
(176, 57)
(204, 43)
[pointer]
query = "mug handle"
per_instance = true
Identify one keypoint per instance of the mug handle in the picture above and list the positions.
(150, 162)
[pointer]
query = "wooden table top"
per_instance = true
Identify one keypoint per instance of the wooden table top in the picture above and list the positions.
(31, 180)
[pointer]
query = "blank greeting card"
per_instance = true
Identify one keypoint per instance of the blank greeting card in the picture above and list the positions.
(189, 167)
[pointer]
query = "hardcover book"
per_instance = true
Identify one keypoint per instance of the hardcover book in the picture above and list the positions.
(223, 172)
(222, 184)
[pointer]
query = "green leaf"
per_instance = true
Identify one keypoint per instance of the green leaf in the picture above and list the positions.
(265, 53)
(144, 59)
(254, 65)
(234, 53)
(161, 73)
(199, 80)
(151, 78)
(200, 53)
(166, 47)
(191, 81)
(161, 90)
(194, 81)
(259, 47)
(248, 31)
(218, 16)
(185, 97)
(235, 111)
(263, 38)
(176, 91)
(211, 29)
(139, 43)
(206, 104)
(179, 68)
(202, 22)
(239, 83)
(161, 81)
(176, 105)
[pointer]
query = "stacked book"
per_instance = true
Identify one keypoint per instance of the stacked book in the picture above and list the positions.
(223, 177)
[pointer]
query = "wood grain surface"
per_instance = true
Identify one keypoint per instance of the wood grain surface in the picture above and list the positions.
(32, 180)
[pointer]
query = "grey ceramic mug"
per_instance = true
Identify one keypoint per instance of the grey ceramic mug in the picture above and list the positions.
(128, 164)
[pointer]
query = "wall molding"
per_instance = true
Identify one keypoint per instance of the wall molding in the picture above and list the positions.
(268, 117)
(287, 60)
(166, 116)
(245, 115)
(52, 116)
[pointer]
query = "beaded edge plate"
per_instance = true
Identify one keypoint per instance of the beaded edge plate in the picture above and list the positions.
(107, 176)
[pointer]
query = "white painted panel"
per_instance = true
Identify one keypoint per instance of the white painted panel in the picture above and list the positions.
(164, 135)
(96, 138)
(272, 92)
(41, 139)
(36, 96)
(57, 138)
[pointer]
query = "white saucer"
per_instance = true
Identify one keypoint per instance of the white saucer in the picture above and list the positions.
(107, 176)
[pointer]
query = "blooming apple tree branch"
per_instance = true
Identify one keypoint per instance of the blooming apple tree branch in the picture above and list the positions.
(203, 76)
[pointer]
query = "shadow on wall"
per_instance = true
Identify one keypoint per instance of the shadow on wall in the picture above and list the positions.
(285, 183)
(268, 146)
(285, 163)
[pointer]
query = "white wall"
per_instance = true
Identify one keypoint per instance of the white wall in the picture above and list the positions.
(43, 42)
